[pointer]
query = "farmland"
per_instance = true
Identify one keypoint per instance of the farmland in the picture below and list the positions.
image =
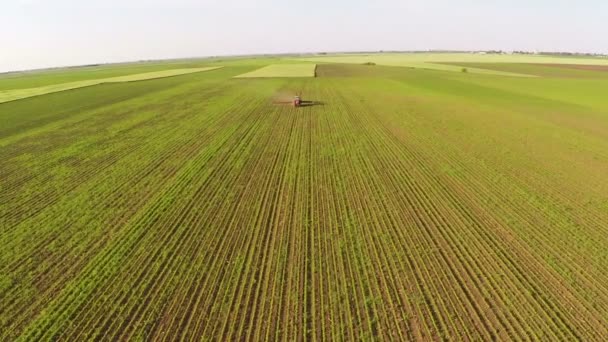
(17, 94)
(408, 204)
(282, 70)
(475, 63)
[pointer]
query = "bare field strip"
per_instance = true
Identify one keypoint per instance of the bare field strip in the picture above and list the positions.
(17, 94)
(282, 70)
(472, 58)
(409, 205)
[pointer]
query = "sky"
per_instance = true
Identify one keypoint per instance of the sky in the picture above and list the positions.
(51, 33)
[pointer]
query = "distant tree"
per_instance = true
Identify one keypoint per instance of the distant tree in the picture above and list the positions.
(465, 70)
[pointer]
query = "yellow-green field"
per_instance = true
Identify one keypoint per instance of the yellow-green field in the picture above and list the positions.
(283, 70)
(434, 61)
(16, 94)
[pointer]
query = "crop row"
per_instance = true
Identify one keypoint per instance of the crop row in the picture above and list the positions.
(136, 186)
(213, 214)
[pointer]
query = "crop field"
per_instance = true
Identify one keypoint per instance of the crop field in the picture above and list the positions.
(17, 94)
(478, 58)
(475, 63)
(404, 204)
(283, 70)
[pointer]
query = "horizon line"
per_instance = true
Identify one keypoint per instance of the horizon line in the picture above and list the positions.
(279, 54)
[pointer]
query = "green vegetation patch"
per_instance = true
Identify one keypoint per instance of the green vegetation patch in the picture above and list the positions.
(417, 61)
(17, 94)
(283, 70)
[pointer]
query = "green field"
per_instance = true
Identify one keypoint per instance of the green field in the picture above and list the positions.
(402, 204)
(282, 70)
(17, 94)
(454, 61)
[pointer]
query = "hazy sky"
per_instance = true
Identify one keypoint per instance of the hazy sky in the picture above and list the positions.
(42, 33)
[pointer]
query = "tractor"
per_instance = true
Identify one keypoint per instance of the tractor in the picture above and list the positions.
(296, 102)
